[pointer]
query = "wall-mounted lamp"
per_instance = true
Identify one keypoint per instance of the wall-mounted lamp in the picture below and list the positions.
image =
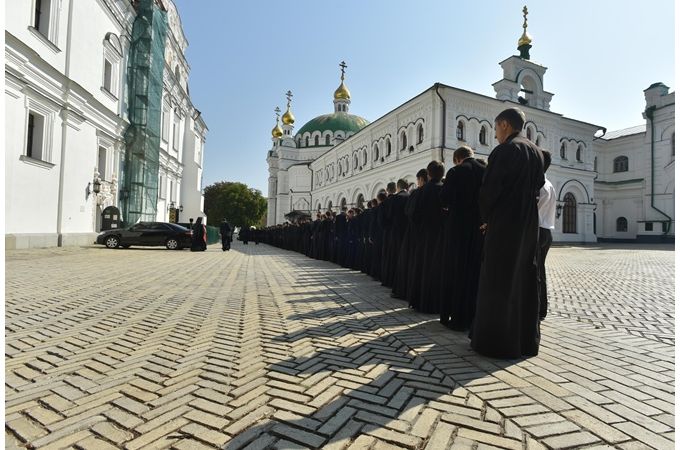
(181, 208)
(558, 211)
(171, 206)
(97, 186)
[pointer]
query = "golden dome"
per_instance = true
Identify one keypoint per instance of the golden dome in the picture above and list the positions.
(525, 39)
(288, 117)
(341, 93)
(277, 132)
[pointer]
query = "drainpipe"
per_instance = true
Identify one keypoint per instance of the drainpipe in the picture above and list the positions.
(441, 148)
(64, 126)
(649, 112)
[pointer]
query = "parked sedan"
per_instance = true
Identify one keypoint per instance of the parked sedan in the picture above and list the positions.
(172, 236)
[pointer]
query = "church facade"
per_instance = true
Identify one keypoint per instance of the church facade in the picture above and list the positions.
(67, 111)
(340, 159)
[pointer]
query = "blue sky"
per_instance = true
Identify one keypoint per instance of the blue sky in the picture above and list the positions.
(244, 56)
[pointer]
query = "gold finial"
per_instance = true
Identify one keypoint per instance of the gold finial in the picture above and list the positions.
(277, 132)
(524, 43)
(288, 117)
(342, 93)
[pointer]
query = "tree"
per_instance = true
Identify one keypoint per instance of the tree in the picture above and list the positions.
(240, 205)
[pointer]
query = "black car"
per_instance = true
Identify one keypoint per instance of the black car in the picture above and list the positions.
(173, 236)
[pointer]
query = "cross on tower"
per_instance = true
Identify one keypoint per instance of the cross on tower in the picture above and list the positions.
(278, 112)
(289, 96)
(525, 11)
(343, 66)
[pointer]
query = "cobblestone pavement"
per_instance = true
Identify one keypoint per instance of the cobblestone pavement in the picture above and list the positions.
(261, 348)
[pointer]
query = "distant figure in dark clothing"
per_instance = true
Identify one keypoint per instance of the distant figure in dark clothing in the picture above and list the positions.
(506, 323)
(198, 237)
(376, 232)
(226, 235)
(462, 241)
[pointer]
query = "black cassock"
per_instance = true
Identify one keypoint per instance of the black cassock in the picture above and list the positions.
(376, 233)
(359, 241)
(405, 249)
(462, 244)
(430, 207)
(416, 250)
(386, 268)
(340, 233)
(397, 229)
(506, 323)
(368, 246)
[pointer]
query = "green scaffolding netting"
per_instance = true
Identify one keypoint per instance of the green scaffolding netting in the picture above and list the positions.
(139, 175)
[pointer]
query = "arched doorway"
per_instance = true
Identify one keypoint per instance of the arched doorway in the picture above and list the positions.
(360, 201)
(330, 205)
(569, 214)
(343, 203)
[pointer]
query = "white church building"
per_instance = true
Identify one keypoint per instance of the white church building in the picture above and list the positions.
(340, 159)
(67, 110)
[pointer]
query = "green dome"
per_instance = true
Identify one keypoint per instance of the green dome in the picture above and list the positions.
(339, 121)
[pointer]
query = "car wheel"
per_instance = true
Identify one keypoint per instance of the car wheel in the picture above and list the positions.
(172, 244)
(112, 242)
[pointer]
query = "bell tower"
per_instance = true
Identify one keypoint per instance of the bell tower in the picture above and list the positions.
(522, 78)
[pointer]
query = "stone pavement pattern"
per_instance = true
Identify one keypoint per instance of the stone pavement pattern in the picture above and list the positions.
(261, 348)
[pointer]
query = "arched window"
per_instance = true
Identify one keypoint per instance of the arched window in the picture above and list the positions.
(621, 224)
(482, 135)
(328, 139)
(402, 137)
(307, 141)
(376, 152)
(673, 145)
(563, 150)
(538, 140)
(421, 134)
(355, 162)
(621, 164)
(316, 141)
(343, 203)
(530, 135)
(365, 157)
(569, 214)
(388, 145)
(360, 201)
(578, 153)
(460, 131)
(330, 205)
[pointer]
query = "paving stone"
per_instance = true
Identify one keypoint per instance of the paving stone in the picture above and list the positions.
(270, 338)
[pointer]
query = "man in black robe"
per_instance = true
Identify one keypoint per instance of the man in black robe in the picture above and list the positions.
(506, 323)
(226, 235)
(430, 207)
(340, 233)
(462, 241)
(398, 224)
(386, 267)
(366, 233)
(415, 254)
(407, 245)
(377, 232)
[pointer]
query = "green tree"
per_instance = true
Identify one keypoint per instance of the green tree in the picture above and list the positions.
(239, 204)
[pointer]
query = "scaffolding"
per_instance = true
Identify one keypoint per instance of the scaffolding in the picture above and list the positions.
(139, 177)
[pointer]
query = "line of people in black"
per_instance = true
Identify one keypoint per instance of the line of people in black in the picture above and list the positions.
(464, 246)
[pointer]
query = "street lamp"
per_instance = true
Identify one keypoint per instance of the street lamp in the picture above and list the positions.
(96, 185)
(181, 208)
(171, 206)
(558, 211)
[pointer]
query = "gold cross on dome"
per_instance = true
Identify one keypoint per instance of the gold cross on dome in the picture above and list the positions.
(278, 112)
(289, 96)
(525, 11)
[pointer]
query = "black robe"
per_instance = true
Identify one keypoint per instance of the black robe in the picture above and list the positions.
(416, 251)
(386, 224)
(376, 232)
(393, 239)
(368, 246)
(462, 244)
(430, 207)
(340, 233)
(405, 248)
(506, 323)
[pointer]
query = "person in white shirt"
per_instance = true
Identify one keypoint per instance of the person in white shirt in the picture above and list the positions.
(547, 202)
